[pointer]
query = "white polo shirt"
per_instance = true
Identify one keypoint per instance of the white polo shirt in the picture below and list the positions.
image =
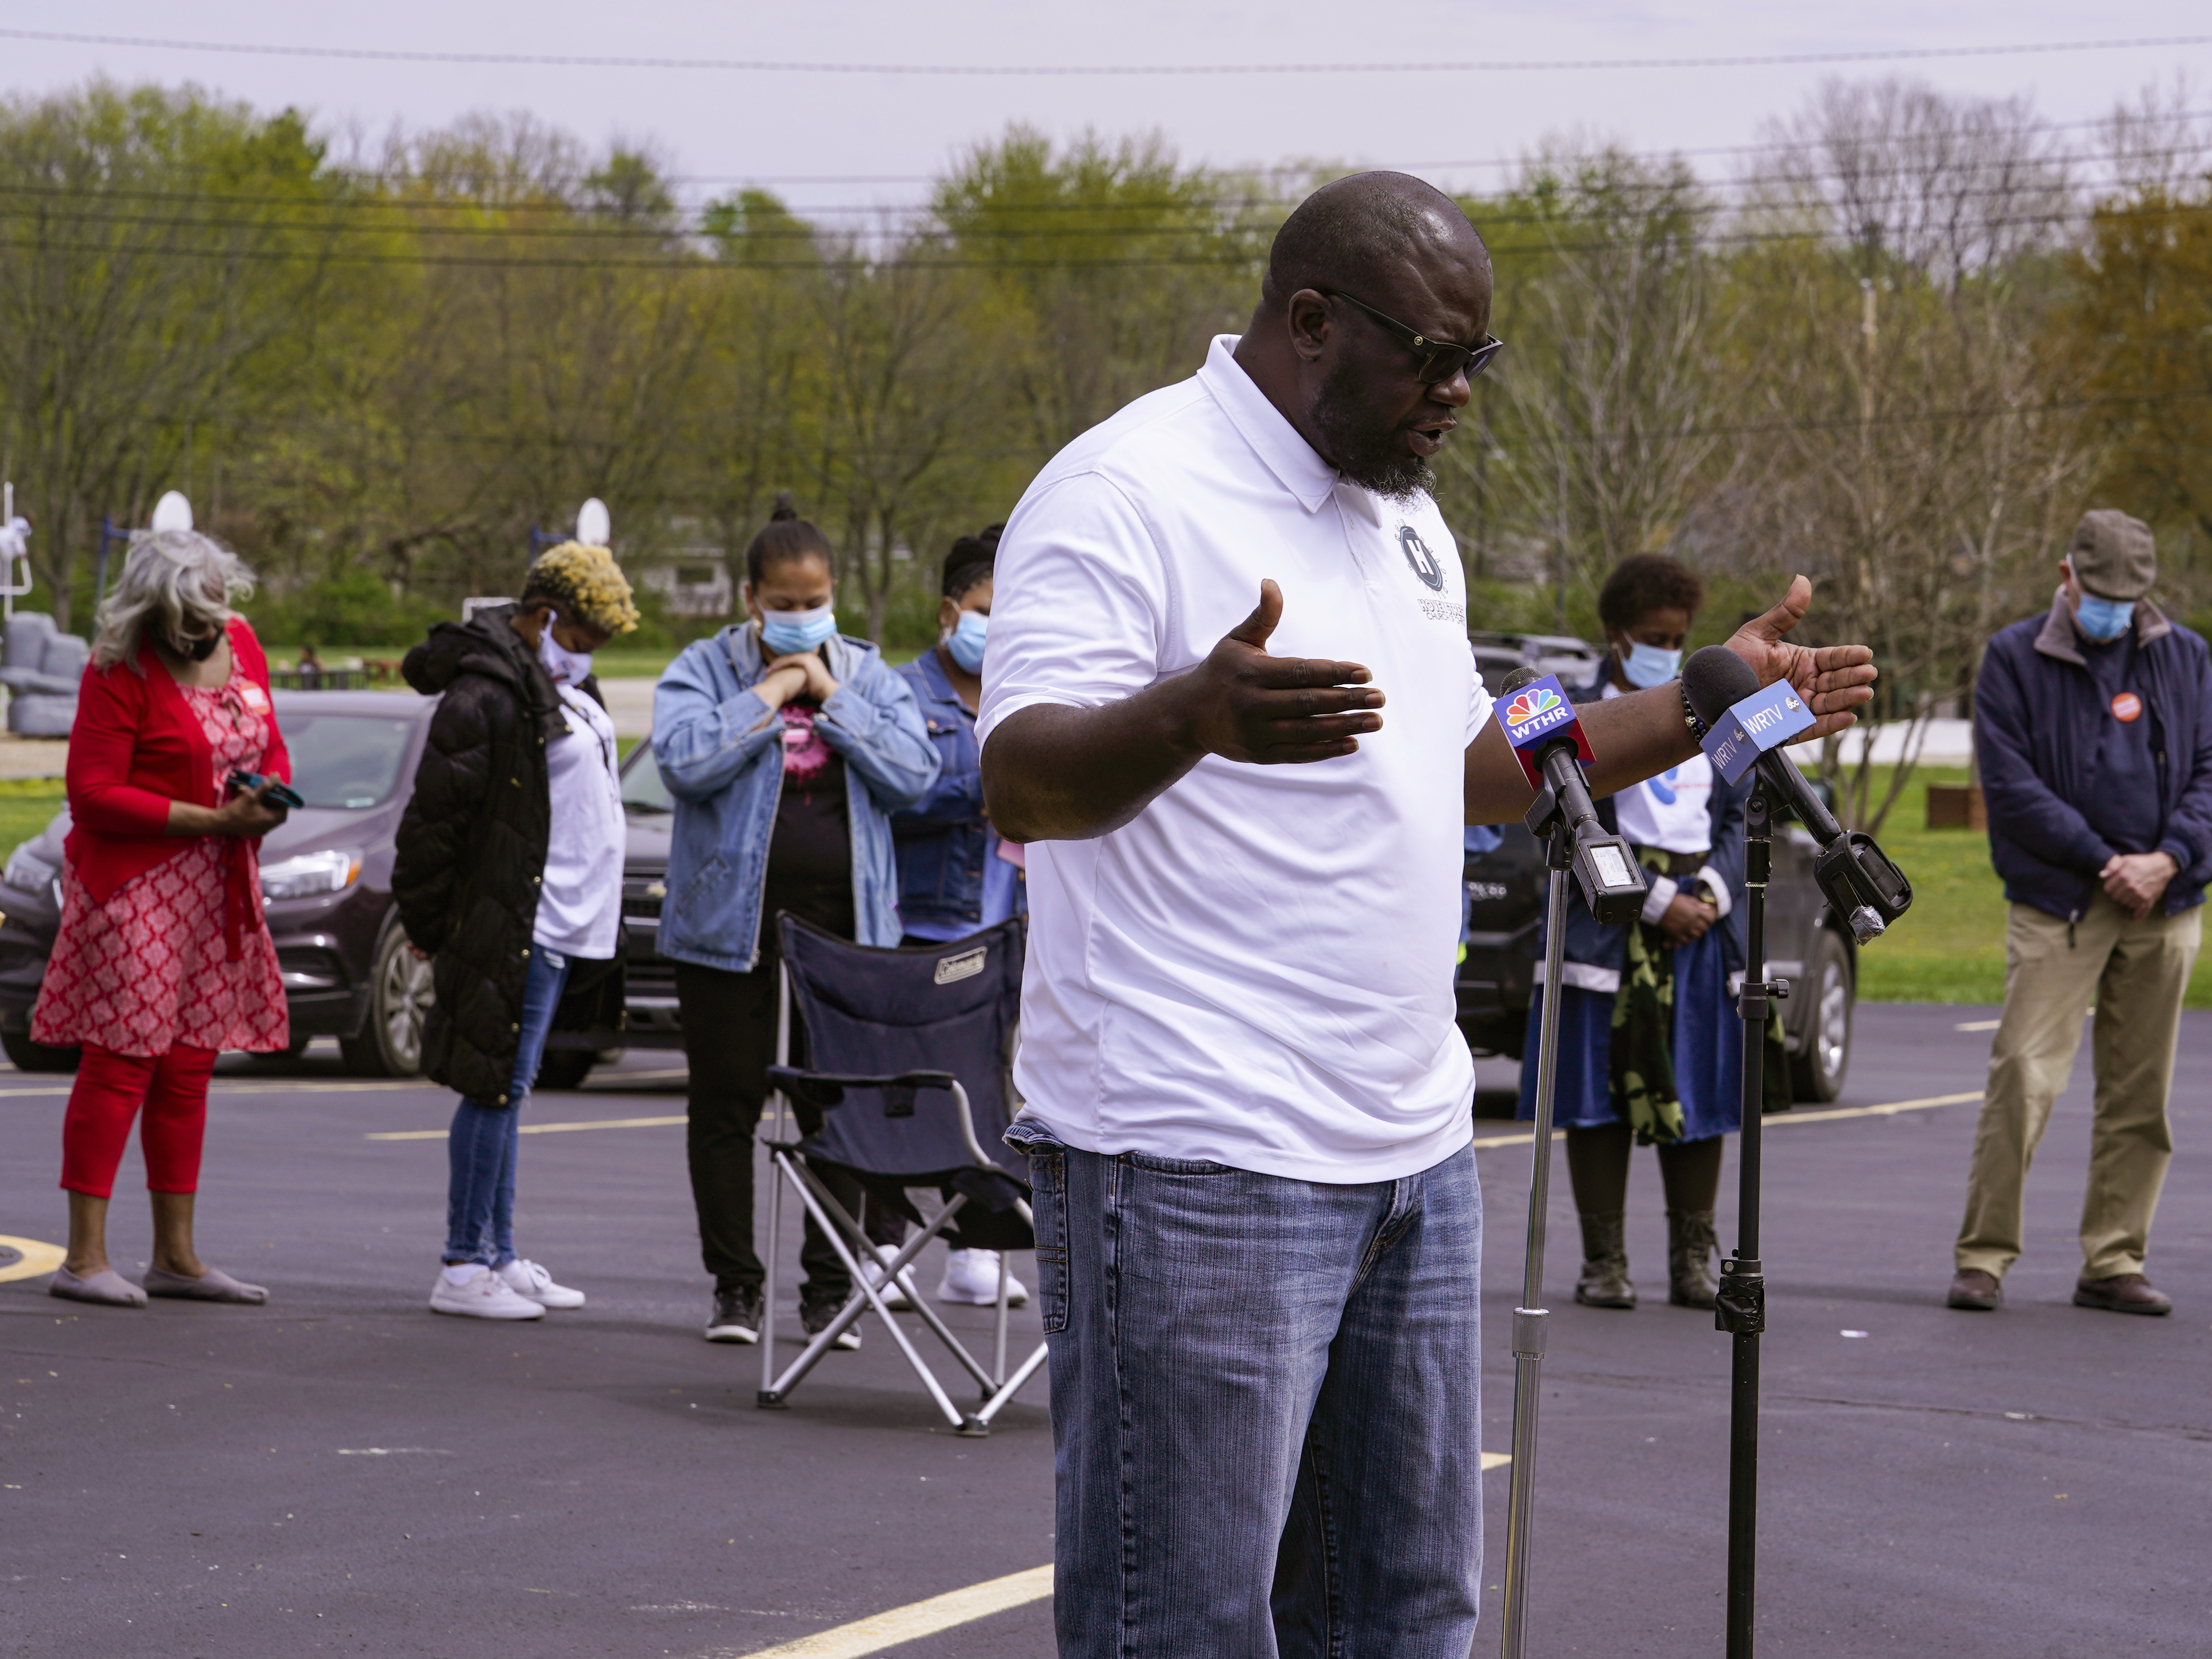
(1258, 970)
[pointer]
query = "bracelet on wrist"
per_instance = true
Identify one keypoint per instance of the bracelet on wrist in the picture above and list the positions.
(1698, 727)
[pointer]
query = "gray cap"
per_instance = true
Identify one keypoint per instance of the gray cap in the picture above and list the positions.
(2112, 554)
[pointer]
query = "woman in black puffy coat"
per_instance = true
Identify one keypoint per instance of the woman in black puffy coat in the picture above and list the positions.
(509, 875)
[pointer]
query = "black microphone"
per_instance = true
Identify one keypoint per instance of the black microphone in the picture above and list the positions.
(1611, 879)
(1860, 882)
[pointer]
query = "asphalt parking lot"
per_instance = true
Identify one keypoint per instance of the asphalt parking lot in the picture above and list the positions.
(342, 1472)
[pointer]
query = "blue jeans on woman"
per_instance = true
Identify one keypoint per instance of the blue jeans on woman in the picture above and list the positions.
(480, 1151)
(1266, 1406)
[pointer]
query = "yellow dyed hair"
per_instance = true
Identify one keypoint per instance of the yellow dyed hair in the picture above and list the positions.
(586, 584)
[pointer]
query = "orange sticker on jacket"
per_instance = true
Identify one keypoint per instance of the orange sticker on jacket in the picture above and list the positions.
(257, 700)
(2126, 707)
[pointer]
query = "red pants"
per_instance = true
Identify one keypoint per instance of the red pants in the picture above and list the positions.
(109, 1088)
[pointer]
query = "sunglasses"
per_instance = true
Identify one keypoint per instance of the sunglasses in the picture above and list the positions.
(1440, 359)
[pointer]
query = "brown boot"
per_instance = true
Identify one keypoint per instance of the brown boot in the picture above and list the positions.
(1975, 1291)
(2123, 1293)
(1604, 1283)
(1690, 1245)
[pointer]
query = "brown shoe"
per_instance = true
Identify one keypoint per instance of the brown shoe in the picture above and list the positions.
(2121, 1293)
(1976, 1290)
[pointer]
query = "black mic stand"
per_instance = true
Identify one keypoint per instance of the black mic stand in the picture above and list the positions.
(1739, 1307)
(1547, 821)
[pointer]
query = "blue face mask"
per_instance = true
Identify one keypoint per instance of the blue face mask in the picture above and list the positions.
(965, 641)
(1647, 665)
(2103, 620)
(785, 632)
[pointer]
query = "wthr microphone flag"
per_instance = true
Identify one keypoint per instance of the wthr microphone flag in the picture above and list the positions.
(1763, 721)
(1538, 711)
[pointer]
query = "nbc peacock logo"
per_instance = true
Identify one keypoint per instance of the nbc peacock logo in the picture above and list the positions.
(1529, 705)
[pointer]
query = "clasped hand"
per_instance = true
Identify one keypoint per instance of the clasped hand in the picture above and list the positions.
(801, 674)
(2137, 881)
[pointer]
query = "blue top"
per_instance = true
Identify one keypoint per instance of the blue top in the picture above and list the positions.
(719, 748)
(952, 880)
(2041, 724)
(2123, 803)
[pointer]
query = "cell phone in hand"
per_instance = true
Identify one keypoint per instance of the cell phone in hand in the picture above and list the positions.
(280, 794)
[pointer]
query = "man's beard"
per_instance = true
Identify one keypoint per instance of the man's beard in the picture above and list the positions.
(1362, 446)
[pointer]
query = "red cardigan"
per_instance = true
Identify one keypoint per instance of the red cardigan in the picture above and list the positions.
(136, 746)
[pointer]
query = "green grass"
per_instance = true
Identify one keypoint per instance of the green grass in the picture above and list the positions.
(27, 807)
(1950, 945)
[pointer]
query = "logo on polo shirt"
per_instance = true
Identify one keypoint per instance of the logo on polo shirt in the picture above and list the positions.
(1527, 706)
(1417, 555)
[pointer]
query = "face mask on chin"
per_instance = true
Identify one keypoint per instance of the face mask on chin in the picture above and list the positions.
(965, 641)
(1647, 665)
(786, 633)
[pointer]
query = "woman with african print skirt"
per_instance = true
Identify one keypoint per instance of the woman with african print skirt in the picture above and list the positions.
(1651, 1051)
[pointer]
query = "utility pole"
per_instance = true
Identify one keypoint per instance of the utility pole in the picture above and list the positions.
(1559, 603)
(1866, 379)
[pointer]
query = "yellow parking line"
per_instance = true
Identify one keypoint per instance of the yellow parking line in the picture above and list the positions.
(1782, 1120)
(541, 1128)
(911, 1622)
(38, 1258)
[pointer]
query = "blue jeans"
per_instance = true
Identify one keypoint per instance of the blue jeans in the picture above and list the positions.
(1266, 1401)
(480, 1150)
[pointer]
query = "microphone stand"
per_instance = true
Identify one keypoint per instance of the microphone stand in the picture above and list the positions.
(1547, 819)
(1740, 1306)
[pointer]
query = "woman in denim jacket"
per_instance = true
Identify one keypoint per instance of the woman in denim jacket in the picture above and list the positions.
(954, 879)
(786, 746)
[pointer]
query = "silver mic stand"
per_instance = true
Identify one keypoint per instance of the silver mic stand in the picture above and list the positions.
(1530, 1319)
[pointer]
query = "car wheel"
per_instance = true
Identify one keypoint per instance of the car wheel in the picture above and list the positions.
(25, 1055)
(390, 1042)
(1816, 1070)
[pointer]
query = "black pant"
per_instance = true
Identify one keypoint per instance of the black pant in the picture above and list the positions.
(729, 1038)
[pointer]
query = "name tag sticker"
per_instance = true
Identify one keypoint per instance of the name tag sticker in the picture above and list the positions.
(2127, 707)
(1765, 720)
(256, 699)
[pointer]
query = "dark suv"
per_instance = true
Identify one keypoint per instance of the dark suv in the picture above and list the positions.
(1806, 944)
(325, 877)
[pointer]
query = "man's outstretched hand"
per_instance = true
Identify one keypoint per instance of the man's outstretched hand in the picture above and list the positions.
(1833, 679)
(1244, 705)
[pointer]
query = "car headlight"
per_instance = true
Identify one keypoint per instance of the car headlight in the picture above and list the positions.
(27, 871)
(330, 871)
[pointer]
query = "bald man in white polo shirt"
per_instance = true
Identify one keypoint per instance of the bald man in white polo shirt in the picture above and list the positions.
(1248, 1119)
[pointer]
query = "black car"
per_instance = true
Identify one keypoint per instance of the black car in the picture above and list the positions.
(1806, 943)
(326, 875)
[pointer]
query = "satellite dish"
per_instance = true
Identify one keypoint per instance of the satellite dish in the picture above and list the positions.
(592, 526)
(172, 512)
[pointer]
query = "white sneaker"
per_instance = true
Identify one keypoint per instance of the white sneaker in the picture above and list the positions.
(483, 1295)
(895, 1296)
(526, 1278)
(972, 1276)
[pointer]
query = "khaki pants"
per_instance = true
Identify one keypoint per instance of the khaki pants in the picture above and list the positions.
(2133, 973)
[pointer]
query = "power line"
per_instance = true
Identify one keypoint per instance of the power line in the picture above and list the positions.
(755, 66)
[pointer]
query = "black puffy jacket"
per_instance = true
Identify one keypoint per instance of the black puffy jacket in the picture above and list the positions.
(471, 849)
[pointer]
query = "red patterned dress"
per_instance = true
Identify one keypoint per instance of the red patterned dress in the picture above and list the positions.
(159, 964)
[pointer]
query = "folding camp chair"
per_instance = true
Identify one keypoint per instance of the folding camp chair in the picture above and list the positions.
(909, 1052)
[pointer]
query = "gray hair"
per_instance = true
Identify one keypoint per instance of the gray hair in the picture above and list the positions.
(178, 581)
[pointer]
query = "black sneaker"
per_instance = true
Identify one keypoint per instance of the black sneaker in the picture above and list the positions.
(738, 1316)
(815, 1315)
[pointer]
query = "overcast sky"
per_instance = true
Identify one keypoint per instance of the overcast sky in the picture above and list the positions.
(802, 130)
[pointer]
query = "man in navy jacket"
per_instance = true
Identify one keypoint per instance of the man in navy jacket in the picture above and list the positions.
(2092, 727)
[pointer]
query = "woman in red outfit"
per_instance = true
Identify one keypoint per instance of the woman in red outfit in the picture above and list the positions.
(163, 958)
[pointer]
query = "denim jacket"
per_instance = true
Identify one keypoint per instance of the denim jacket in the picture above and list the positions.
(721, 748)
(942, 838)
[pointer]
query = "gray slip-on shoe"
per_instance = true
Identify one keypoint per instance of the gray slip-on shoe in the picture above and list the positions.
(106, 1288)
(213, 1286)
